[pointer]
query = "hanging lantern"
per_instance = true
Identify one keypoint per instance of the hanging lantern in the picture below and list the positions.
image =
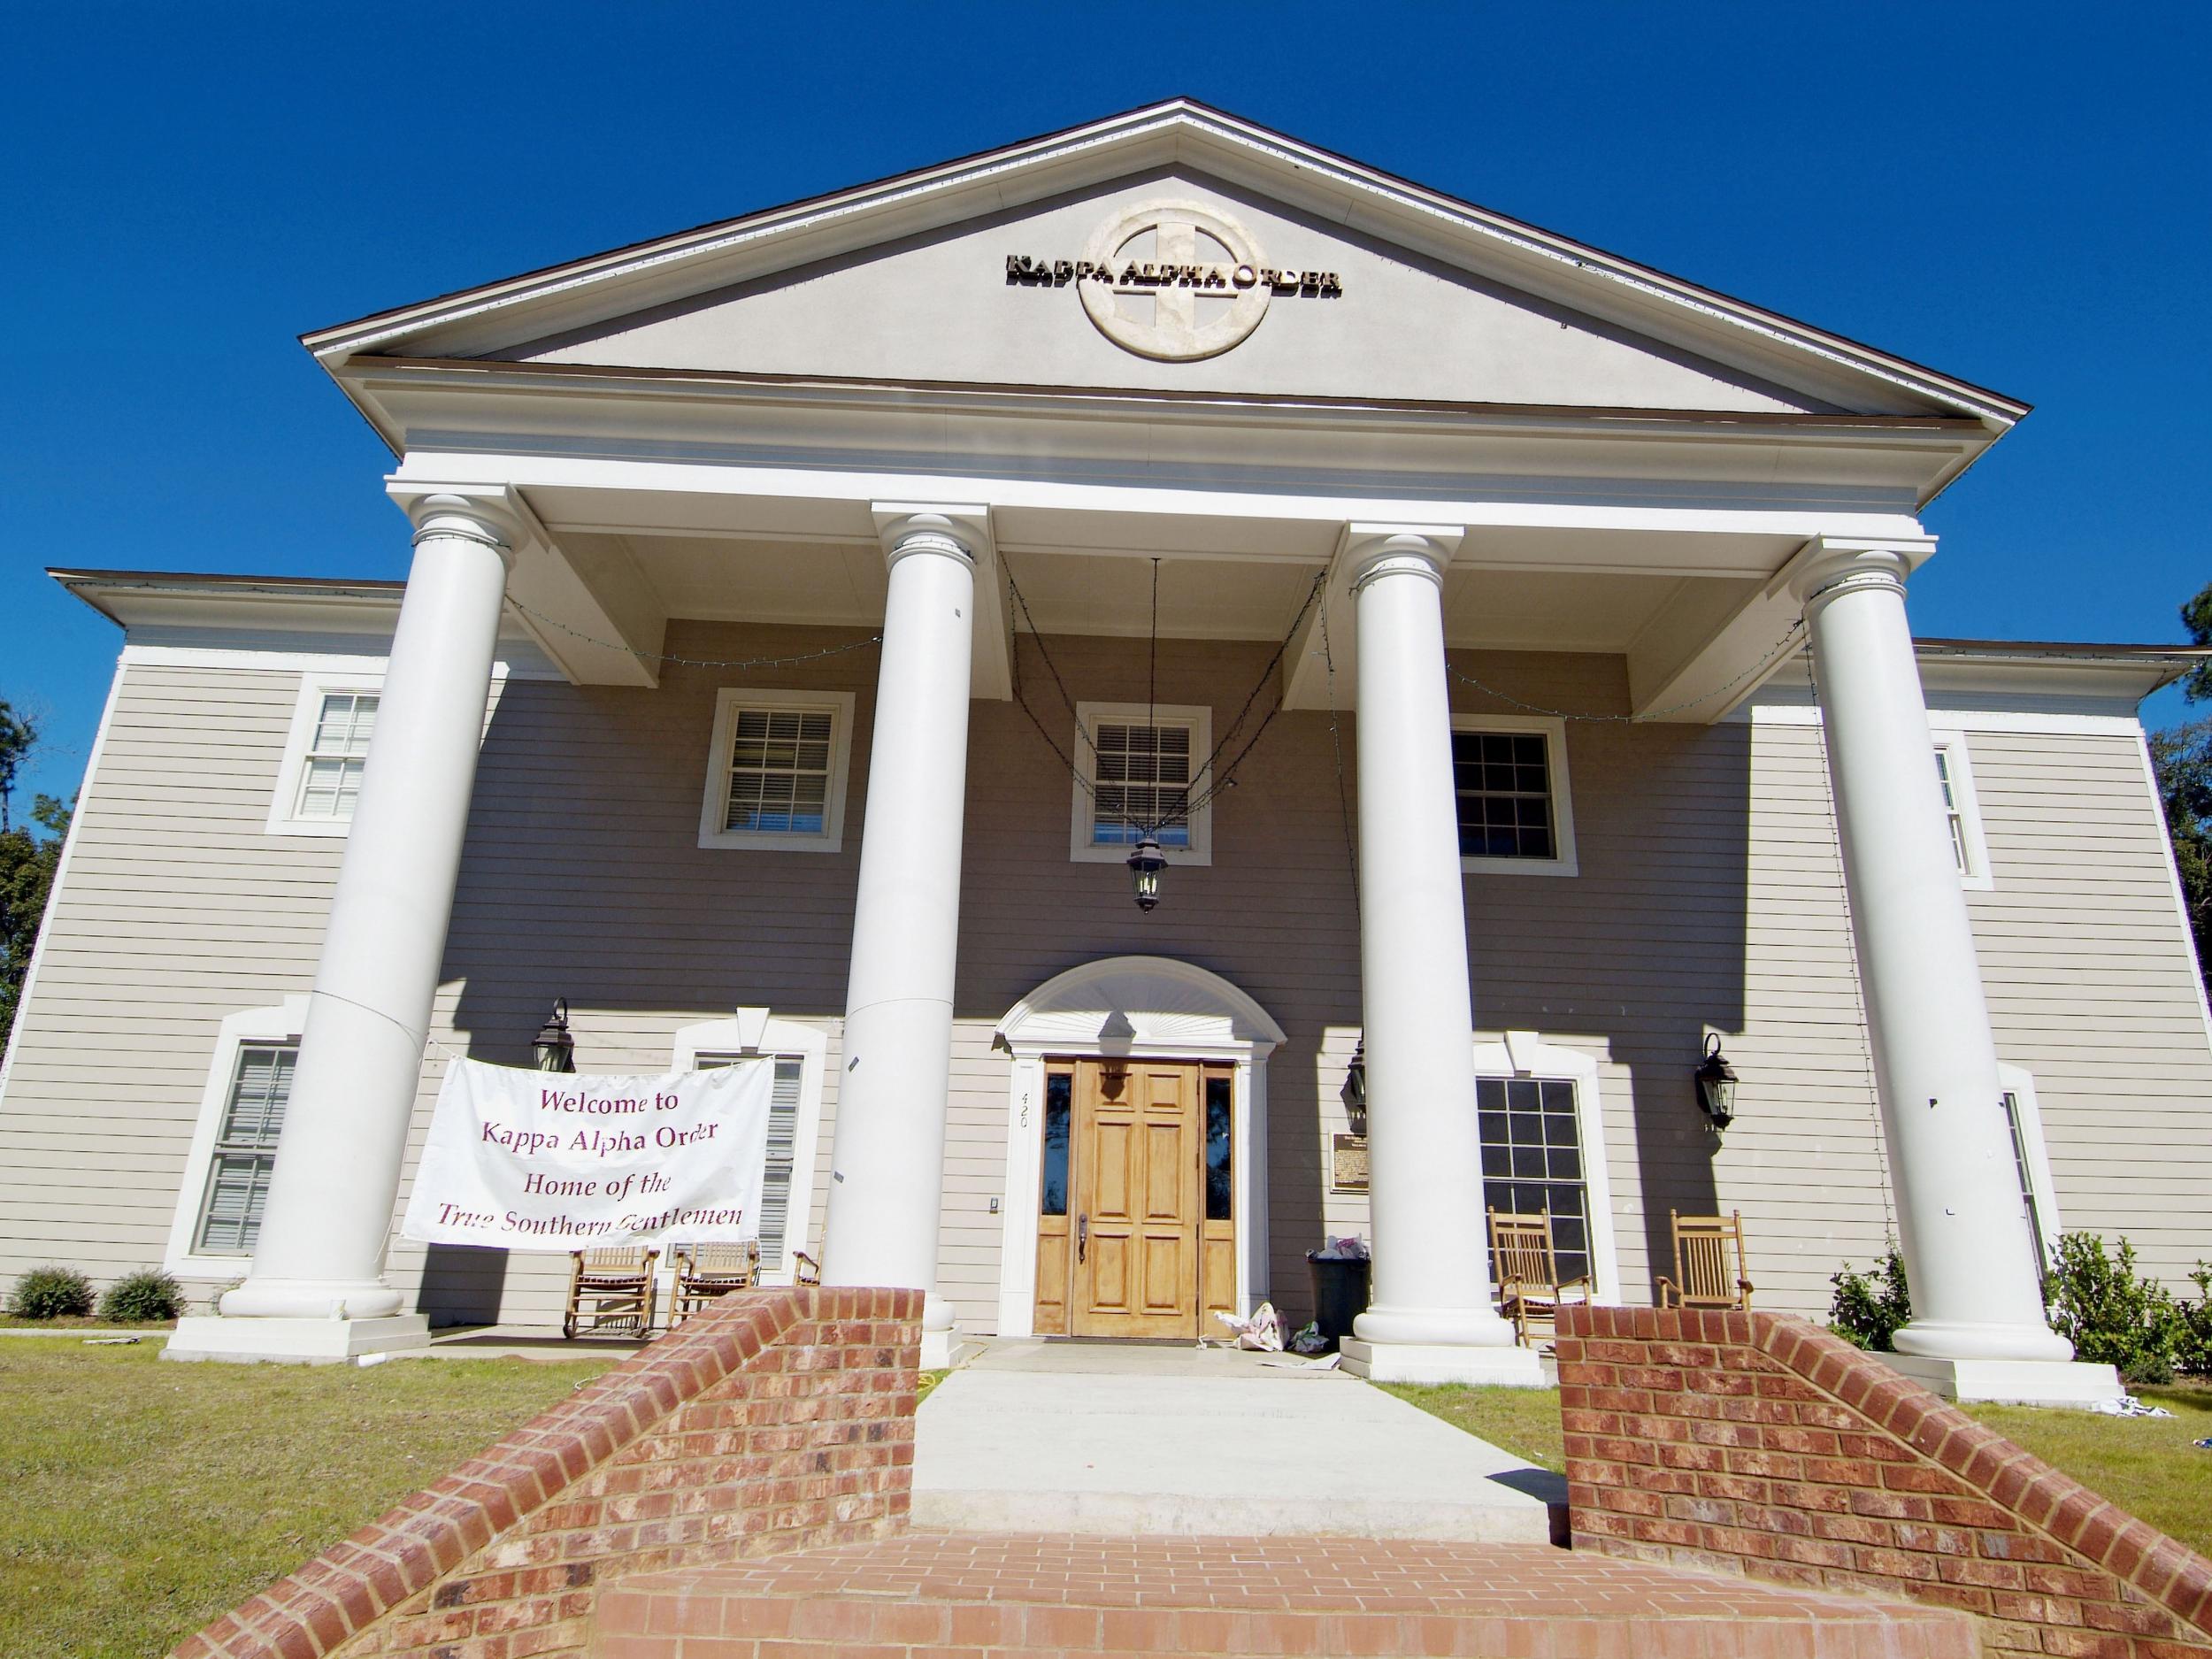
(1145, 865)
(1354, 1093)
(1716, 1084)
(555, 1048)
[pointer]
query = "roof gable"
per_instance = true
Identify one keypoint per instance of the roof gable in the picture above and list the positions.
(905, 280)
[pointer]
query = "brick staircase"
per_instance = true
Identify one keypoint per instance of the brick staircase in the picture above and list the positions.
(924, 1595)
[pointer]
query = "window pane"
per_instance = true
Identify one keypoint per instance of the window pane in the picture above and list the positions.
(1504, 782)
(2039, 1242)
(779, 766)
(1531, 1160)
(1059, 1093)
(1217, 1162)
(1142, 780)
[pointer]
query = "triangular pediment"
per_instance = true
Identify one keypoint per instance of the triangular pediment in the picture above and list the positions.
(1296, 273)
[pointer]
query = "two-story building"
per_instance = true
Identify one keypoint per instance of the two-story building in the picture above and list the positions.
(1503, 644)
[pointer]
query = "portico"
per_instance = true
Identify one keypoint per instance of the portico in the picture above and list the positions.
(1680, 487)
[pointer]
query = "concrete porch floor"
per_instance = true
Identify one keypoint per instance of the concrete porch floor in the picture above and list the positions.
(1034, 1436)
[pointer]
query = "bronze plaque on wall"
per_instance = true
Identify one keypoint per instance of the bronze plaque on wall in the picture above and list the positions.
(1348, 1166)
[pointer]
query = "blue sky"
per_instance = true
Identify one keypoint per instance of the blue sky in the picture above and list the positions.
(2014, 194)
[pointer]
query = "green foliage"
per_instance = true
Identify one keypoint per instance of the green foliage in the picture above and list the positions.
(2192, 1344)
(1869, 1307)
(28, 863)
(2196, 616)
(51, 1292)
(146, 1295)
(2110, 1315)
(18, 735)
(2182, 757)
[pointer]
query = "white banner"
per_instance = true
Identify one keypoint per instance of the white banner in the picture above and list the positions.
(553, 1161)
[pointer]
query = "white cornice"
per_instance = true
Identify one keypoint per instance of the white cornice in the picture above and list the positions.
(1177, 132)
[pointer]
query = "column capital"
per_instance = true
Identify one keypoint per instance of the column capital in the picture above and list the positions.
(1384, 549)
(493, 517)
(954, 530)
(1828, 565)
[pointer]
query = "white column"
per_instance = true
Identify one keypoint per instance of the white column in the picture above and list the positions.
(1431, 1318)
(887, 1165)
(315, 1290)
(1978, 1326)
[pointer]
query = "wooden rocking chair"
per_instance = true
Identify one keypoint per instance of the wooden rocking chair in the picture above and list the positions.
(613, 1289)
(1708, 1263)
(809, 1272)
(704, 1271)
(1527, 1258)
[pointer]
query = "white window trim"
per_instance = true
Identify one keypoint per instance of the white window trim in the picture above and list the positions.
(283, 1023)
(752, 1033)
(1562, 809)
(1087, 715)
(2019, 1082)
(727, 702)
(1951, 743)
(315, 684)
(1524, 1054)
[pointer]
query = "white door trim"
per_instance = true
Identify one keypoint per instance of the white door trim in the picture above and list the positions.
(1526, 1054)
(1145, 1008)
(754, 1032)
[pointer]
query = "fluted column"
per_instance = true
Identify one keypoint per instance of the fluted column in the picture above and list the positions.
(320, 1253)
(1961, 1223)
(887, 1162)
(1432, 1319)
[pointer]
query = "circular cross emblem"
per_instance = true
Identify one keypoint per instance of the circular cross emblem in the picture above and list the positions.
(1177, 281)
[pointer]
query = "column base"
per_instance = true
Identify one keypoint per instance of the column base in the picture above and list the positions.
(294, 1341)
(1441, 1362)
(940, 1349)
(2025, 1382)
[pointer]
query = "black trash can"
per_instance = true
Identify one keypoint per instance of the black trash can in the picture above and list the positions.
(1340, 1294)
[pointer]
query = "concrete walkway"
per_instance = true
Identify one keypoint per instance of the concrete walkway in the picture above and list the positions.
(1071, 1437)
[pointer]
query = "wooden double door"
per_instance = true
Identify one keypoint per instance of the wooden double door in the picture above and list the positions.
(1136, 1231)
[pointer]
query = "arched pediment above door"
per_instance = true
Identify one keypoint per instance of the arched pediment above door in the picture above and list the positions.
(1121, 1004)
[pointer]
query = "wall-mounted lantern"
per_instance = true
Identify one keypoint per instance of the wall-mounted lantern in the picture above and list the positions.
(1716, 1084)
(555, 1048)
(1354, 1093)
(1145, 865)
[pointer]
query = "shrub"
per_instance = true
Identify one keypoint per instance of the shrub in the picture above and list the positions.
(1869, 1307)
(51, 1292)
(146, 1295)
(2112, 1317)
(2192, 1345)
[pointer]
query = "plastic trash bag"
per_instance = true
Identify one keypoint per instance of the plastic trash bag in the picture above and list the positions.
(1263, 1332)
(1309, 1340)
(1351, 1249)
(2129, 1406)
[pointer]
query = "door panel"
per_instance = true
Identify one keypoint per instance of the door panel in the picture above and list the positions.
(1137, 1184)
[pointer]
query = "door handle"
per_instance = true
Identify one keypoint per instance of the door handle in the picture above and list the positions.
(1082, 1237)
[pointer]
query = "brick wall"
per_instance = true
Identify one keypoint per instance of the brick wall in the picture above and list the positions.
(775, 1421)
(1757, 1443)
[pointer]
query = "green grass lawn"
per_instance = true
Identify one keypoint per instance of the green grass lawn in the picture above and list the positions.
(2146, 1466)
(138, 1499)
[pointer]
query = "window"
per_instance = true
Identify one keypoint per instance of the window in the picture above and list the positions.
(245, 1150)
(1509, 777)
(2032, 1163)
(325, 752)
(783, 1145)
(776, 771)
(1059, 1124)
(1962, 813)
(1531, 1160)
(1541, 1118)
(1219, 1171)
(1141, 768)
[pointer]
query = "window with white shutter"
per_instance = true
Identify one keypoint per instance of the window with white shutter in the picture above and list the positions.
(330, 773)
(245, 1150)
(783, 1130)
(1142, 770)
(776, 771)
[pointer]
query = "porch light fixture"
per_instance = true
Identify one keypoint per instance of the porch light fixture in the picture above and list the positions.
(1354, 1093)
(555, 1048)
(1716, 1084)
(1145, 865)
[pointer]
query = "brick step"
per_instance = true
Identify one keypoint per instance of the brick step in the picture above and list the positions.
(935, 1595)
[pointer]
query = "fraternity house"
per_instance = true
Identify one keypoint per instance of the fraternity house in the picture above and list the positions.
(1487, 658)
